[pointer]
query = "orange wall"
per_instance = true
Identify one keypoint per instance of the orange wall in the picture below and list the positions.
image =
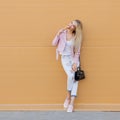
(29, 73)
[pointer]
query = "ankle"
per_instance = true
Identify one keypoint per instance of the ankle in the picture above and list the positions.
(68, 98)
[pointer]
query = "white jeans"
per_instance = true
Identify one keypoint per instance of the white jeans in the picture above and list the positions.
(72, 85)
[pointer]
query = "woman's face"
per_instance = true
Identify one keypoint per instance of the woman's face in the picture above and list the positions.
(72, 25)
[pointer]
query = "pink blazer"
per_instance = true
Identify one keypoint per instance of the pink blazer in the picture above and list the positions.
(60, 41)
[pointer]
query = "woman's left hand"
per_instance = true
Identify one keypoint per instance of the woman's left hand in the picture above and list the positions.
(74, 67)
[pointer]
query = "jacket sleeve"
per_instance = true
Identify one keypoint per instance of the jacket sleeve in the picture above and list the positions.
(56, 40)
(76, 56)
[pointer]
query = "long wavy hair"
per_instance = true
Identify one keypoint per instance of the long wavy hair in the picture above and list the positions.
(78, 35)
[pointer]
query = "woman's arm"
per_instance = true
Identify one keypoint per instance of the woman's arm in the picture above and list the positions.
(55, 40)
(76, 60)
(57, 37)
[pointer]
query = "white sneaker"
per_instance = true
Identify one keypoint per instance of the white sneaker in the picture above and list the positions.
(70, 108)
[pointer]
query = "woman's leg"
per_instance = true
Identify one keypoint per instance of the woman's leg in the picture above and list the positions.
(72, 85)
(73, 96)
(67, 100)
(69, 89)
(74, 88)
(72, 100)
(66, 63)
(68, 95)
(71, 105)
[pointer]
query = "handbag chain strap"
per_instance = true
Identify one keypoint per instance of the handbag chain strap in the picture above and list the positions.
(79, 62)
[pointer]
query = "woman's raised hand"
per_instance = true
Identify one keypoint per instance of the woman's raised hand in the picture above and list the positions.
(61, 30)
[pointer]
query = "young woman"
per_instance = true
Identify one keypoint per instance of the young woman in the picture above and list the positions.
(68, 42)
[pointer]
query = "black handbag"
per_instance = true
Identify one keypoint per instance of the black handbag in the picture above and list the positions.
(79, 74)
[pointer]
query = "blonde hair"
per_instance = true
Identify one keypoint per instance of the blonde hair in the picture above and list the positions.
(78, 35)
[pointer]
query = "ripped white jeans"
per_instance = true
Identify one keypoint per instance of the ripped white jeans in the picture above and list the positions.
(72, 85)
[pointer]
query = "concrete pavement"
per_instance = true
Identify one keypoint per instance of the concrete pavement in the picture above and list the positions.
(58, 115)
